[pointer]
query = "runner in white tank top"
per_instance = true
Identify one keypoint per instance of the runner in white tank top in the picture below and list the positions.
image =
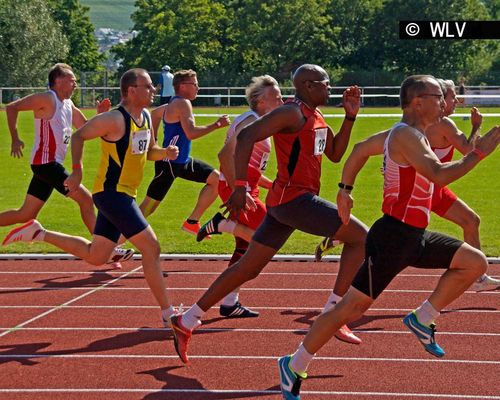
(55, 114)
(52, 135)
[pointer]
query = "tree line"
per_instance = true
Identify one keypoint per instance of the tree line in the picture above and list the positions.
(228, 41)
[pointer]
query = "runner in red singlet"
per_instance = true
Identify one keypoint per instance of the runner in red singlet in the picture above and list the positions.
(301, 136)
(399, 238)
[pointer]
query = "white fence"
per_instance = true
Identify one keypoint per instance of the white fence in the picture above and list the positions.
(234, 96)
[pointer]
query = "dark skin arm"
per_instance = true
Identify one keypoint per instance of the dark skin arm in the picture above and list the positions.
(285, 119)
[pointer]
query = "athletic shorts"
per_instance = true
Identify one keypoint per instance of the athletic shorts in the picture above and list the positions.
(308, 213)
(47, 177)
(252, 219)
(118, 213)
(442, 200)
(392, 245)
(165, 173)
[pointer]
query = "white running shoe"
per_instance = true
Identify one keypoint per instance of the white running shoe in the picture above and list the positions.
(485, 282)
(119, 255)
(25, 233)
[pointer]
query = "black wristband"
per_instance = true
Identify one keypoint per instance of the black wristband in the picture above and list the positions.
(345, 187)
(347, 117)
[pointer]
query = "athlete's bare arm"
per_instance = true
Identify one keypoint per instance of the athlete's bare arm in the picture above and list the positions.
(362, 151)
(226, 155)
(43, 106)
(408, 147)
(156, 118)
(110, 126)
(337, 145)
(287, 118)
(181, 110)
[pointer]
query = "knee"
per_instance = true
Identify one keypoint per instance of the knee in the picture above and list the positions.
(152, 251)
(213, 179)
(474, 261)
(472, 221)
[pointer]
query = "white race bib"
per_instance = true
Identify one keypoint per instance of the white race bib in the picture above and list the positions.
(67, 132)
(140, 141)
(263, 161)
(320, 141)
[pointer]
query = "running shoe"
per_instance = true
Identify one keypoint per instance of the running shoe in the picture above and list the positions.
(326, 244)
(210, 228)
(27, 232)
(485, 282)
(425, 334)
(346, 335)
(192, 229)
(289, 381)
(120, 255)
(182, 336)
(237, 311)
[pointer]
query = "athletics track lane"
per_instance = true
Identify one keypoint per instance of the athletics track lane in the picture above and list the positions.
(109, 344)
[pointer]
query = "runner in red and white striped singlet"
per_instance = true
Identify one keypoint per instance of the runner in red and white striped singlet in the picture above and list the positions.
(407, 194)
(52, 135)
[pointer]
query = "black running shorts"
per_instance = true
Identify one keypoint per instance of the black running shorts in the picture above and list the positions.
(47, 177)
(165, 173)
(392, 245)
(308, 213)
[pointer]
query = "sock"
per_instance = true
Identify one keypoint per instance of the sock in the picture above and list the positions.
(332, 300)
(192, 318)
(167, 313)
(231, 299)
(426, 313)
(300, 360)
(226, 225)
(191, 221)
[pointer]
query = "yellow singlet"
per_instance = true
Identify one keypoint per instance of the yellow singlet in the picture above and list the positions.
(121, 168)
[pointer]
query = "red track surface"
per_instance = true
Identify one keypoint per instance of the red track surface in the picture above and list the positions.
(107, 342)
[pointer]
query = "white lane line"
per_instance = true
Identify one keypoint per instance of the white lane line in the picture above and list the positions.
(114, 272)
(22, 324)
(248, 330)
(371, 311)
(251, 357)
(391, 395)
(104, 287)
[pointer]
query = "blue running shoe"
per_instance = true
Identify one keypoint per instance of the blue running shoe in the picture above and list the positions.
(425, 334)
(289, 380)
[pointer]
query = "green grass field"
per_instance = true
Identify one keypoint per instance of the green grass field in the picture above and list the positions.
(479, 189)
(113, 14)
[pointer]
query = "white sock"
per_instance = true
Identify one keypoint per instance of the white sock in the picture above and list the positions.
(300, 360)
(226, 225)
(332, 300)
(167, 313)
(192, 318)
(426, 313)
(231, 299)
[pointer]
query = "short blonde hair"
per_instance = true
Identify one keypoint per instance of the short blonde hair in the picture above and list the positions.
(181, 77)
(255, 90)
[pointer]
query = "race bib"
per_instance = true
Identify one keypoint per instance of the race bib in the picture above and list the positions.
(67, 135)
(263, 161)
(140, 141)
(320, 141)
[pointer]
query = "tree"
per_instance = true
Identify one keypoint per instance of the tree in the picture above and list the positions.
(445, 58)
(184, 34)
(30, 42)
(75, 22)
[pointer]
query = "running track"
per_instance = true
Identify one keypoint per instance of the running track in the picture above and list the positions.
(71, 331)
